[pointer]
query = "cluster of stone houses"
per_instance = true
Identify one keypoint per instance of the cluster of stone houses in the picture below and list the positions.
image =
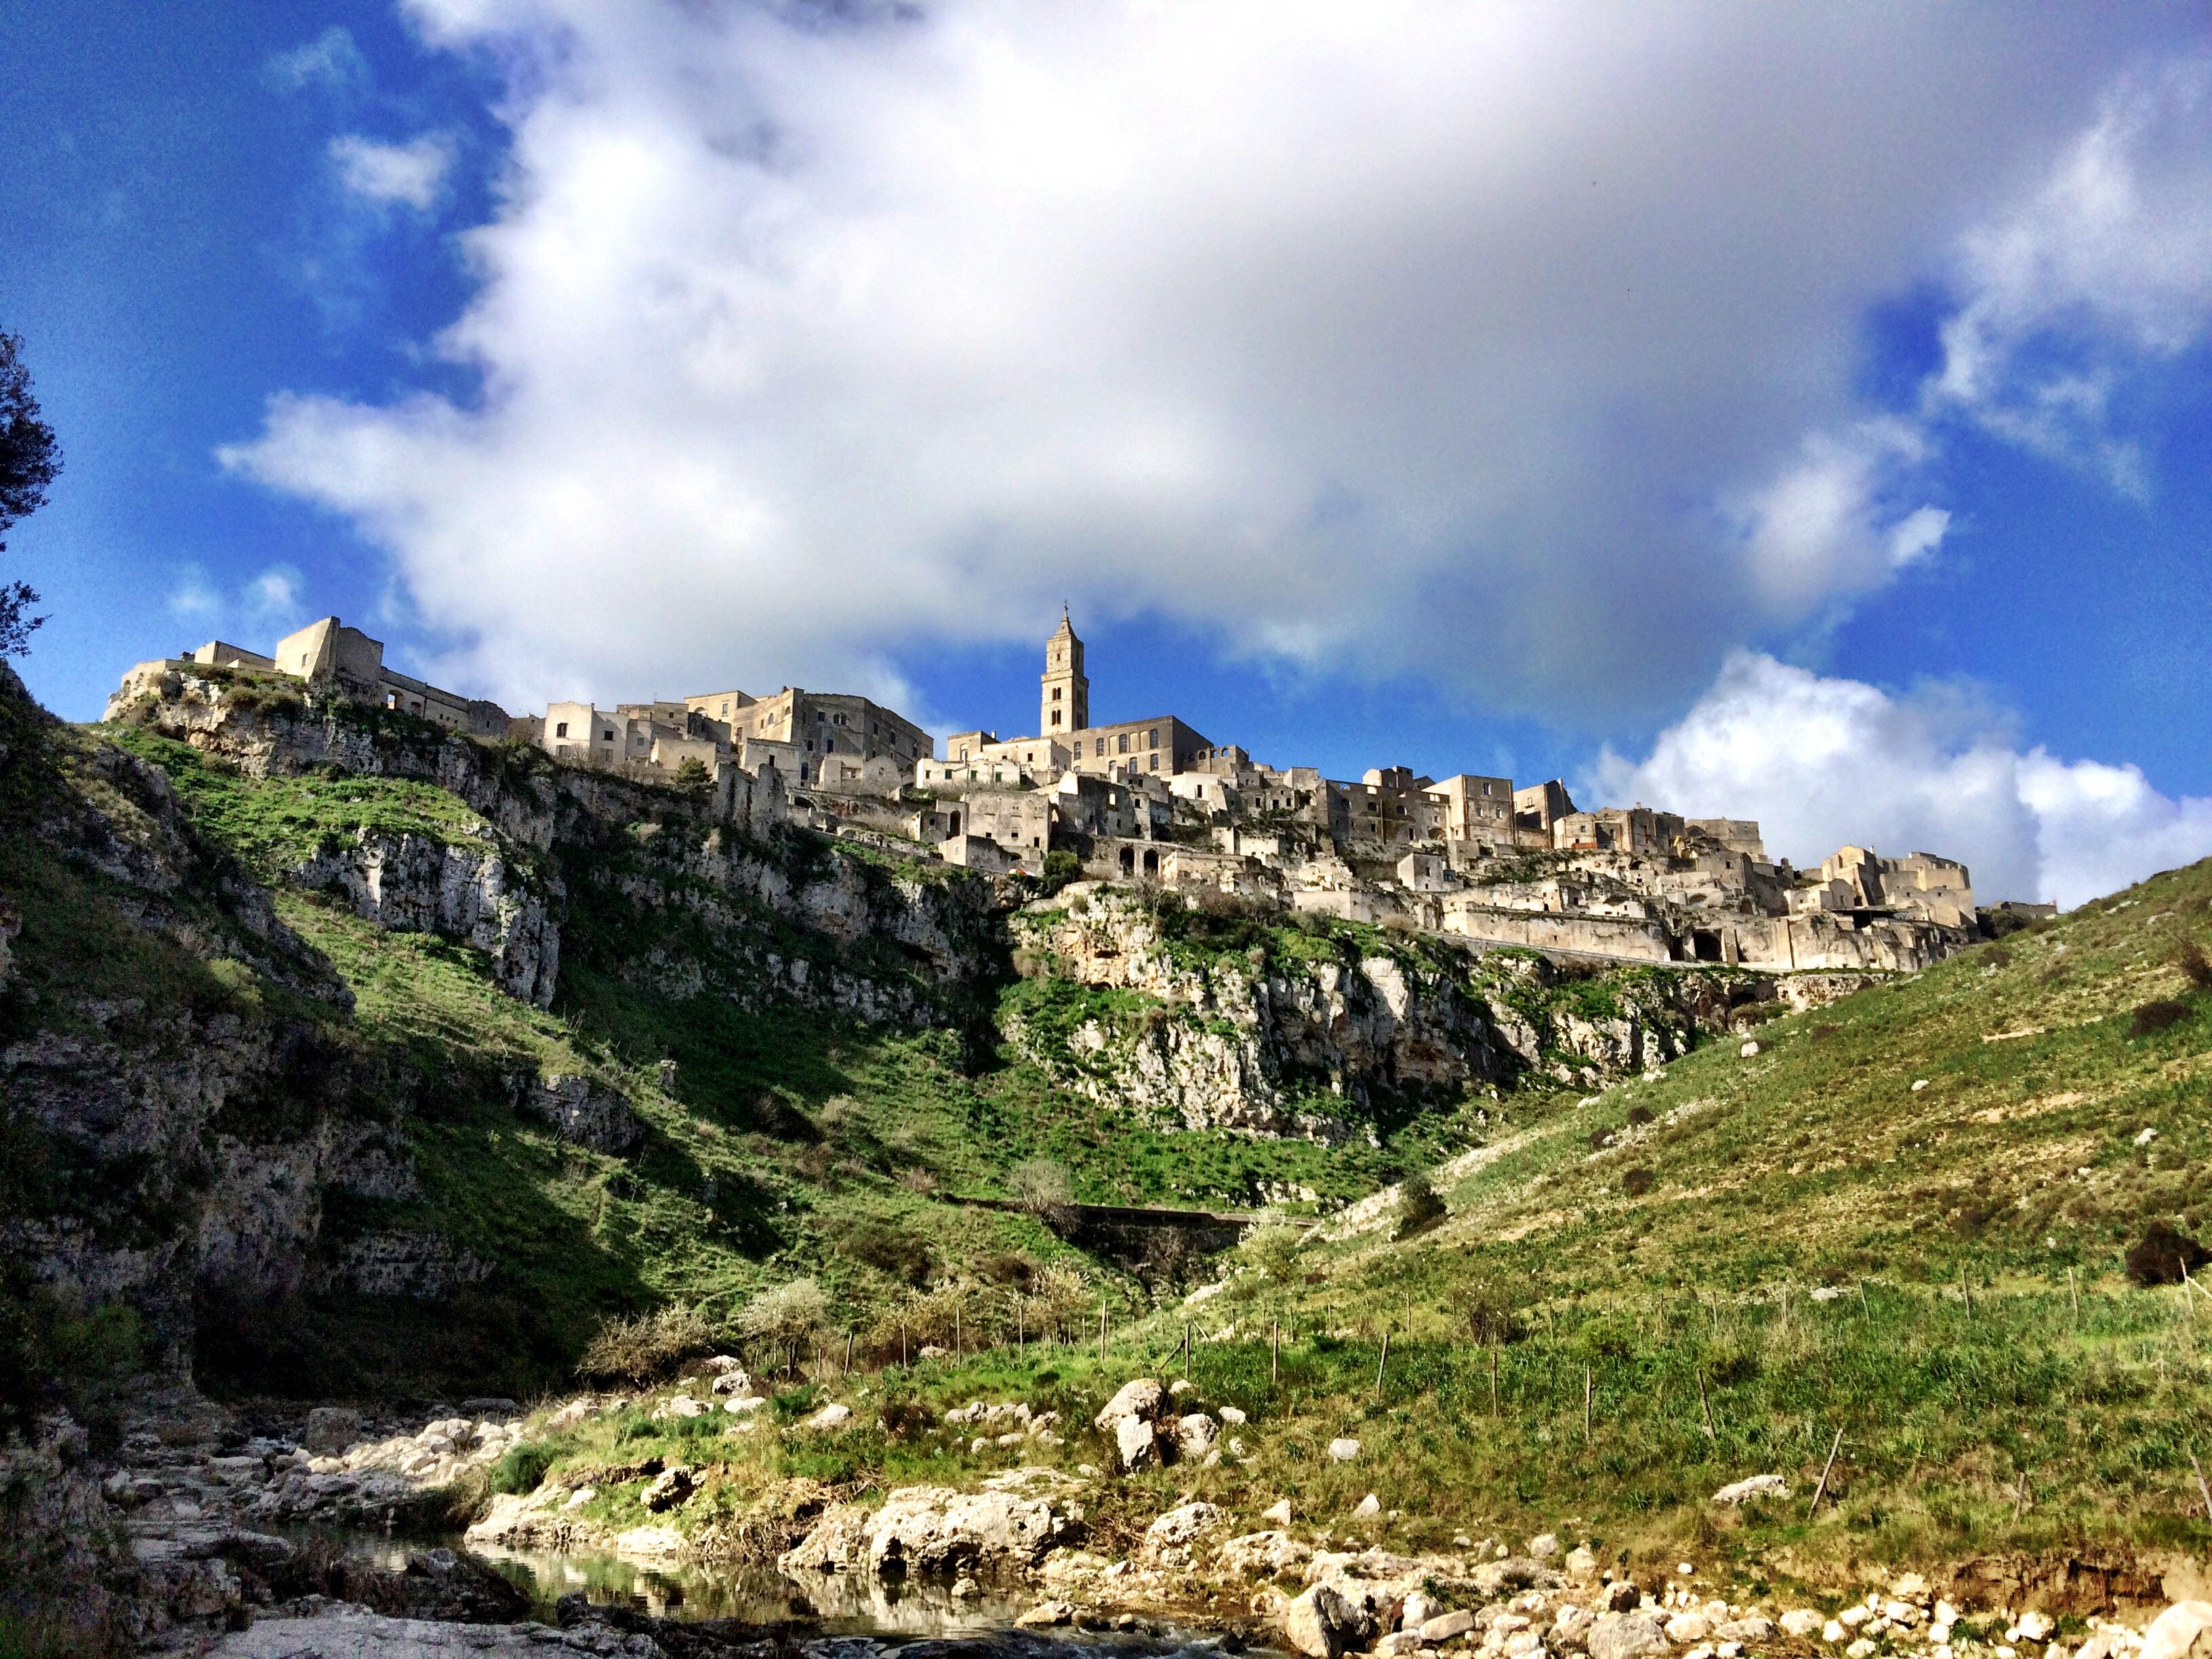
(1154, 800)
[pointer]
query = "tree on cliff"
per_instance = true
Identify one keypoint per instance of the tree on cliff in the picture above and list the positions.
(29, 458)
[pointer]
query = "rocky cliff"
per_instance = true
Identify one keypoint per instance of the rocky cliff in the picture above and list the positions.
(1231, 1020)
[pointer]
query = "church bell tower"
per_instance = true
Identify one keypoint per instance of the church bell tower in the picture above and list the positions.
(1065, 706)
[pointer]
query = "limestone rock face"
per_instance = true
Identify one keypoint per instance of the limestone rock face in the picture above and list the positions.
(409, 883)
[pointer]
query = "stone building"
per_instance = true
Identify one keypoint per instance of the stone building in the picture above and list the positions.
(1537, 808)
(331, 657)
(1476, 809)
(817, 724)
(330, 652)
(1064, 694)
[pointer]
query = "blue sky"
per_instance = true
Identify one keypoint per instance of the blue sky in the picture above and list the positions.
(1797, 415)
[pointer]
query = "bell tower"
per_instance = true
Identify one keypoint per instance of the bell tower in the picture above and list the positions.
(1065, 705)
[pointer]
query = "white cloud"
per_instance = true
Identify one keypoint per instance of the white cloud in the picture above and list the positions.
(2105, 262)
(412, 175)
(1824, 762)
(274, 595)
(192, 597)
(330, 60)
(1408, 337)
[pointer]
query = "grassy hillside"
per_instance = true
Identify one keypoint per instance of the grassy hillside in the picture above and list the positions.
(1904, 1219)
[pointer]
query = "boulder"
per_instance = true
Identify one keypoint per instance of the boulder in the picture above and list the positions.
(1323, 1624)
(1369, 1505)
(829, 1417)
(2184, 1630)
(671, 1489)
(1801, 1622)
(934, 1532)
(1625, 1636)
(1137, 1444)
(838, 1543)
(1140, 1398)
(1174, 1531)
(1621, 1596)
(1263, 1555)
(577, 1112)
(1689, 1628)
(1195, 1435)
(1571, 1628)
(1343, 1449)
(1544, 1546)
(330, 1430)
(1757, 1486)
(1231, 1416)
(1046, 1613)
(1581, 1562)
(1752, 1628)
(1277, 1514)
(1445, 1625)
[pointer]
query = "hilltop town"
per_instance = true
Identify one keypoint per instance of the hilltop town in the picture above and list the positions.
(1153, 800)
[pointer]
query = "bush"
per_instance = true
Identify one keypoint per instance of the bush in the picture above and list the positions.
(788, 1316)
(523, 1469)
(1489, 1312)
(1060, 867)
(1419, 1205)
(2163, 1255)
(1042, 1187)
(1273, 1249)
(643, 1349)
(1637, 1183)
(2194, 967)
(2159, 1016)
(1638, 1116)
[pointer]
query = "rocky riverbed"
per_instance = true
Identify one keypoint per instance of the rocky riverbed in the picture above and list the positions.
(206, 1533)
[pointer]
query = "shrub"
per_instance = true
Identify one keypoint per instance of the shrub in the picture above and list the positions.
(891, 1247)
(787, 1316)
(1042, 1187)
(1639, 1116)
(642, 1349)
(523, 1469)
(1060, 867)
(1489, 1312)
(2163, 1255)
(2152, 1016)
(1637, 1183)
(2194, 967)
(1272, 1248)
(901, 1418)
(1997, 956)
(1419, 1205)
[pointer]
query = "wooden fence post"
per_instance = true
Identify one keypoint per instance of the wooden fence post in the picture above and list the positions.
(1821, 1491)
(1382, 1361)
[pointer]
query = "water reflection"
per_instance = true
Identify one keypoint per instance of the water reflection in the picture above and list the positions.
(842, 1604)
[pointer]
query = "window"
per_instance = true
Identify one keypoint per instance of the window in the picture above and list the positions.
(1056, 714)
(1156, 762)
(1152, 738)
(1055, 694)
(1102, 747)
(561, 730)
(1121, 743)
(606, 736)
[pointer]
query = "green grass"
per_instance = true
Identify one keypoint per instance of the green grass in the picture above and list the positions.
(1998, 1383)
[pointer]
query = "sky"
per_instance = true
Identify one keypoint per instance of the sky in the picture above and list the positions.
(1788, 412)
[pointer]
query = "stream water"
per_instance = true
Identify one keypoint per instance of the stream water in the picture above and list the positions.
(836, 1604)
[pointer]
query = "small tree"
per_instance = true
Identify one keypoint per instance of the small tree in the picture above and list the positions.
(1419, 1205)
(1272, 1248)
(692, 776)
(1042, 1187)
(30, 459)
(786, 1317)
